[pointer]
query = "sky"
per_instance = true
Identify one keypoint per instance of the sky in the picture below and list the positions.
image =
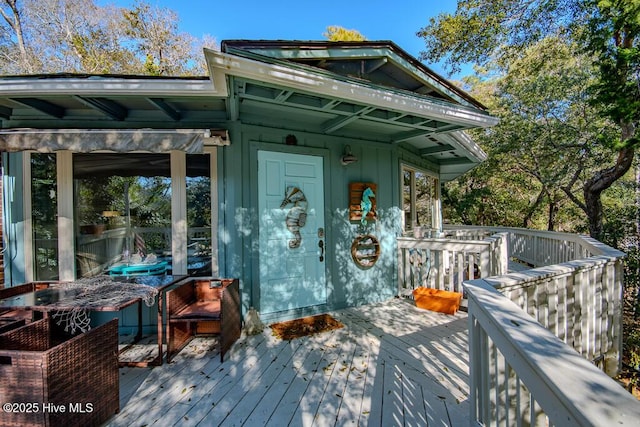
(397, 21)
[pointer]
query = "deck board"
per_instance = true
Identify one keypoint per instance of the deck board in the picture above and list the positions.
(392, 364)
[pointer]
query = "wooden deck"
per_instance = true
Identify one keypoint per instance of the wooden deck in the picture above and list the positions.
(392, 364)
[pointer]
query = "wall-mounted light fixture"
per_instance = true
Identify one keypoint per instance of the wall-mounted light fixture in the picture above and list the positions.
(347, 156)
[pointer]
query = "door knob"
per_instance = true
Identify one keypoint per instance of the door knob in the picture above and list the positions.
(321, 245)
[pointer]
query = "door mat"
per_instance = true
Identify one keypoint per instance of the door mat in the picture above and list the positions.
(305, 326)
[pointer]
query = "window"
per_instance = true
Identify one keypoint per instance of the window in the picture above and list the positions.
(420, 200)
(93, 213)
(199, 242)
(123, 209)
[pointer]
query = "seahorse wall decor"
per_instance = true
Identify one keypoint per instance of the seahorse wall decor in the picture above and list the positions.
(297, 215)
(366, 205)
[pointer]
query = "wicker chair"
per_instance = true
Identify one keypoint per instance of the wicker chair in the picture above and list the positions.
(214, 302)
(7, 325)
(44, 366)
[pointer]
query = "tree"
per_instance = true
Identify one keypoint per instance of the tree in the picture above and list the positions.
(335, 33)
(11, 15)
(497, 32)
(78, 36)
(548, 127)
(155, 36)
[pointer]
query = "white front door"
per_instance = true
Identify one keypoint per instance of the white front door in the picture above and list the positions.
(291, 218)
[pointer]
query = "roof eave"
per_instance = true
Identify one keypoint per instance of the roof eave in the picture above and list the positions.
(354, 49)
(221, 64)
(108, 85)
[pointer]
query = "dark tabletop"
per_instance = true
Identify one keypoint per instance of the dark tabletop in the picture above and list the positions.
(57, 297)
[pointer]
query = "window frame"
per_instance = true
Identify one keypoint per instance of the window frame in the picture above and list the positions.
(436, 220)
(66, 226)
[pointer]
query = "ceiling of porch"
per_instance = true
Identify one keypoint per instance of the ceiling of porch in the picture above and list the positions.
(435, 140)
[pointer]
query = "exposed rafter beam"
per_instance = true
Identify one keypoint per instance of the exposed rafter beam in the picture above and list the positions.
(373, 65)
(335, 124)
(331, 104)
(454, 161)
(166, 108)
(436, 149)
(398, 116)
(5, 113)
(105, 106)
(43, 106)
(283, 96)
(404, 136)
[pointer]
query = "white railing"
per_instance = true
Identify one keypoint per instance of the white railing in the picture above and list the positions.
(535, 248)
(521, 374)
(574, 294)
(95, 252)
(441, 263)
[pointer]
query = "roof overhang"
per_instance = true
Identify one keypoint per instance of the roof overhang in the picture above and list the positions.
(377, 62)
(419, 111)
(109, 102)
(307, 81)
(270, 92)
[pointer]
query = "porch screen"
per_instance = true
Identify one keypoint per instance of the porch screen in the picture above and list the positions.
(123, 211)
(119, 141)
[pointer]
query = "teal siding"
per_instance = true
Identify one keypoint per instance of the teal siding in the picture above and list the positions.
(348, 285)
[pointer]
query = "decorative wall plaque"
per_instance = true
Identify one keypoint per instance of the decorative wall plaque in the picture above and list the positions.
(365, 251)
(362, 202)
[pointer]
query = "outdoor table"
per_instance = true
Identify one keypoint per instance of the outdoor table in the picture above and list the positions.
(58, 299)
(139, 269)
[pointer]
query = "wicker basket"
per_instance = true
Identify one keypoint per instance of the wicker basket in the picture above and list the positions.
(54, 380)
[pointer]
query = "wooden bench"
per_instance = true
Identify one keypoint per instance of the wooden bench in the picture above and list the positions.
(203, 305)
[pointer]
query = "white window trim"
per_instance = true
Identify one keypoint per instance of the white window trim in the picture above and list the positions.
(66, 236)
(213, 172)
(29, 270)
(437, 214)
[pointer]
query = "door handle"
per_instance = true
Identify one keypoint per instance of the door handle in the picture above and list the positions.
(321, 245)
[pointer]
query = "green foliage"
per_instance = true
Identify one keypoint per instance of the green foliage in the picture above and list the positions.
(199, 202)
(542, 149)
(612, 36)
(484, 31)
(561, 122)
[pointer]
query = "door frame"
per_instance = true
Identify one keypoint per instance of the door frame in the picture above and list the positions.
(252, 200)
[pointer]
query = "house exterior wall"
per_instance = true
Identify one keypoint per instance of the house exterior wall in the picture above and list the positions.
(347, 284)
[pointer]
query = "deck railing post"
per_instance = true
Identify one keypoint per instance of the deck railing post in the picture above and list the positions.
(479, 371)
